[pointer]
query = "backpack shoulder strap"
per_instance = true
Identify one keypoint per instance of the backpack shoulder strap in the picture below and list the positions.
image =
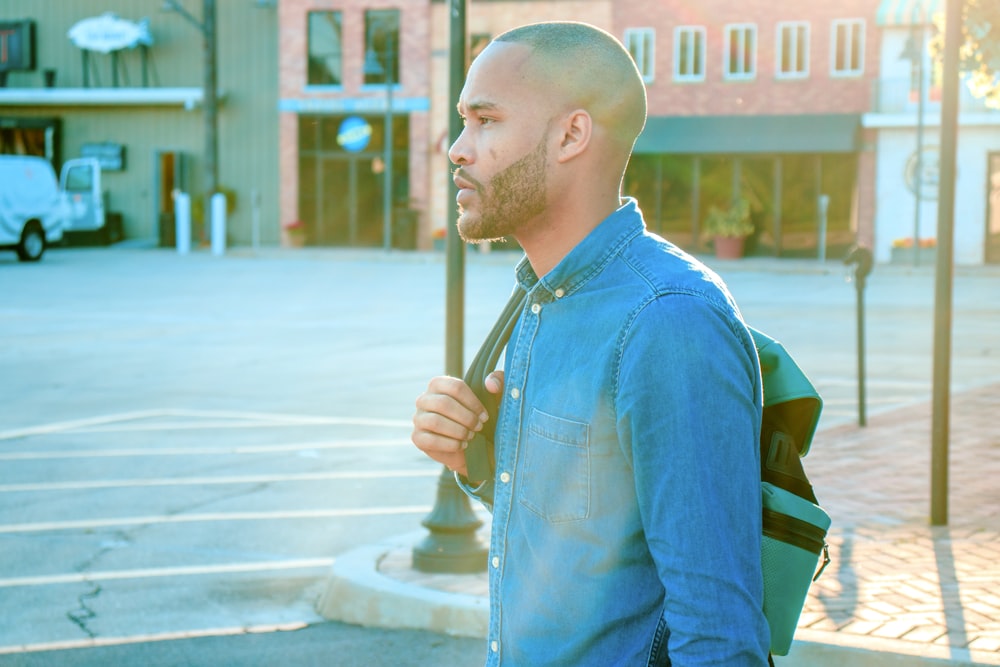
(792, 408)
(480, 460)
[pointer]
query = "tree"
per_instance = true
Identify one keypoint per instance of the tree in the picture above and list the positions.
(979, 53)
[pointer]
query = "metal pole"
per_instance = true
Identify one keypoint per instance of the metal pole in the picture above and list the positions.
(945, 254)
(452, 545)
(919, 166)
(862, 410)
(211, 175)
(387, 174)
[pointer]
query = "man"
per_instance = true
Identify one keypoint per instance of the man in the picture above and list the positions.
(626, 504)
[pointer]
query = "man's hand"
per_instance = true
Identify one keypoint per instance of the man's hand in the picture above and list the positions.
(448, 416)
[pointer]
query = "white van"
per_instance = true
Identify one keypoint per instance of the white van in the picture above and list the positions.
(36, 210)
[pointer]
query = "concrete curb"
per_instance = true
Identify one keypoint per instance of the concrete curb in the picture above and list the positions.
(357, 592)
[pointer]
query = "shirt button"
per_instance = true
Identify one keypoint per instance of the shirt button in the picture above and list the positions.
(505, 477)
(536, 308)
(560, 293)
(515, 393)
(496, 561)
(494, 646)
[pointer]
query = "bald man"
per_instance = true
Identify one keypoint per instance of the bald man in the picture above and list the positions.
(626, 502)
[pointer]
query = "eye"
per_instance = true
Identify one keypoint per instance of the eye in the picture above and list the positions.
(486, 120)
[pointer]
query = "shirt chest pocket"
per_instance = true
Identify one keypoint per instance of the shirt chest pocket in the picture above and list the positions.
(555, 481)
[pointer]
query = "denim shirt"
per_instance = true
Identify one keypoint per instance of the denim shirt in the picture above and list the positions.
(626, 502)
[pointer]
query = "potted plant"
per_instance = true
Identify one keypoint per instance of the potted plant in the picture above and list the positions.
(729, 228)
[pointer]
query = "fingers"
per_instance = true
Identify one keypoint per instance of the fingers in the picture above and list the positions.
(494, 382)
(448, 416)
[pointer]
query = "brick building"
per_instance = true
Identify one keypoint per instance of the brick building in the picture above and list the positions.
(761, 100)
(794, 106)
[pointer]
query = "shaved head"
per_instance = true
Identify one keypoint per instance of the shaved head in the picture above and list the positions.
(581, 66)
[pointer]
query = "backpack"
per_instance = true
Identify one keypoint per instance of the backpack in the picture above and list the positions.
(794, 525)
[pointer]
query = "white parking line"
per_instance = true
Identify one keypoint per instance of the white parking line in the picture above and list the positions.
(91, 424)
(95, 642)
(205, 481)
(90, 524)
(200, 451)
(81, 577)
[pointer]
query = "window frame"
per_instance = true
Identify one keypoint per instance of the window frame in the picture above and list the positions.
(834, 46)
(397, 61)
(310, 54)
(646, 38)
(749, 72)
(698, 49)
(799, 30)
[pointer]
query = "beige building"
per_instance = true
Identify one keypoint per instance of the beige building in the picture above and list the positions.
(134, 97)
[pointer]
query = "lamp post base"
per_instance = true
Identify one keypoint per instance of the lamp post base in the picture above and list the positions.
(452, 545)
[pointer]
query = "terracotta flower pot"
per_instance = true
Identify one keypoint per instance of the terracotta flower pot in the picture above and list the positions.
(729, 247)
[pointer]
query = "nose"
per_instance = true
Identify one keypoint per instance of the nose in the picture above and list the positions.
(460, 152)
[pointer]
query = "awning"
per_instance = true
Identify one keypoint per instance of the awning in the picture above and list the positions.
(699, 135)
(907, 12)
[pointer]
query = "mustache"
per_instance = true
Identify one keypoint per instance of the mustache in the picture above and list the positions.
(463, 175)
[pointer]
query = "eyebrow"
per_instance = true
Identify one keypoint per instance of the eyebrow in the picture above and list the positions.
(479, 105)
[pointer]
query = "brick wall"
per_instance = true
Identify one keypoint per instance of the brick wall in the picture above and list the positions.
(765, 94)
(414, 74)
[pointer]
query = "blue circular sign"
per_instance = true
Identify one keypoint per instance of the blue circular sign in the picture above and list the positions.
(354, 134)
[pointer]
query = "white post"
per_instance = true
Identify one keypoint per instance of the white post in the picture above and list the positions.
(824, 206)
(218, 224)
(182, 222)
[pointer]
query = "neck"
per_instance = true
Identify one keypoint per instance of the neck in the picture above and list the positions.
(550, 239)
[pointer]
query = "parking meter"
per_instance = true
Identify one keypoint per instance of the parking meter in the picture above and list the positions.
(862, 258)
(863, 262)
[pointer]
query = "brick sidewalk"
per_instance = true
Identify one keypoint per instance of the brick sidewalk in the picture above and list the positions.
(893, 576)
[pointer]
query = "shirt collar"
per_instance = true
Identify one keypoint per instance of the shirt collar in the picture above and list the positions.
(589, 256)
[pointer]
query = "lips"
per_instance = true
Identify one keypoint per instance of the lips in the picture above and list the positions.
(463, 182)
(467, 187)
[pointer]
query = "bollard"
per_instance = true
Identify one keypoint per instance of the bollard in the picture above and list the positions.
(862, 258)
(182, 222)
(823, 203)
(218, 224)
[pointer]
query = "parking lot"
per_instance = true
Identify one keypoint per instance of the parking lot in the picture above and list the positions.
(187, 442)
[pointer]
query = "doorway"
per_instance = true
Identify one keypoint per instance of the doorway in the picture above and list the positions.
(341, 178)
(992, 245)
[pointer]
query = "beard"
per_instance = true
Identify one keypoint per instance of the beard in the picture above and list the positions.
(509, 200)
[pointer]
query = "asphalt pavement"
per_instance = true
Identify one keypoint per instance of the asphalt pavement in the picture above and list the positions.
(191, 443)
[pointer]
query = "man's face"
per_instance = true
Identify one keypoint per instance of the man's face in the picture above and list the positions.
(501, 154)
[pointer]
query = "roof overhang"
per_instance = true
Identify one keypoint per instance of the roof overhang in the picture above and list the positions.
(701, 135)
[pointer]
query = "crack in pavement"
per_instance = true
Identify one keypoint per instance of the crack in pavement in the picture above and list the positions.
(82, 615)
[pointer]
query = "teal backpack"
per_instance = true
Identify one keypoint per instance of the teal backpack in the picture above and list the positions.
(794, 525)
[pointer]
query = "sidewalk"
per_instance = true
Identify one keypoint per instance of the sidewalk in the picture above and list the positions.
(898, 592)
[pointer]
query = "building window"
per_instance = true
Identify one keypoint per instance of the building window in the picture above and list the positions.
(848, 44)
(689, 53)
(381, 46)
(324, 48)
(741, 51)
(792, 50)
(641, 43)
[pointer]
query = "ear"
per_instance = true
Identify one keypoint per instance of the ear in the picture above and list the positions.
(576, 128)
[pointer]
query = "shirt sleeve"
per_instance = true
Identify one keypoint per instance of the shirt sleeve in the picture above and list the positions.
(688, 398)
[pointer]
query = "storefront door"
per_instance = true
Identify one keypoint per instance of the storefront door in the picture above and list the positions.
(341, 185)
(993, 210)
